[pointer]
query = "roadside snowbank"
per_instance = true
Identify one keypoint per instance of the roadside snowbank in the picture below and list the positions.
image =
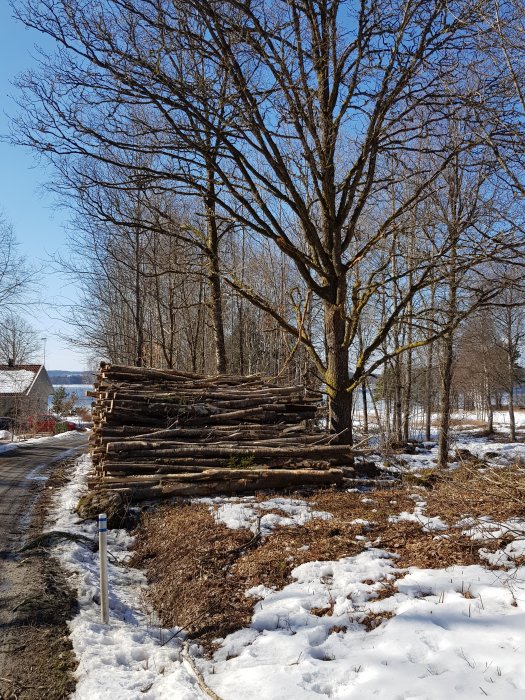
(35, 441)
(132, 657)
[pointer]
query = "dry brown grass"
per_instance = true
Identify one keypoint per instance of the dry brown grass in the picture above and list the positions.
(188, 557)
(474, 490)
(371, 619)
(461, 422)
(199, 570)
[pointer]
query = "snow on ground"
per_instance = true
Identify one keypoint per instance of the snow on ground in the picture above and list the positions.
(34, 441)
(457, 632)
(438, 644)
(501, 418)
(469, 420)
(494, 453)
(131, 657)
(248, 513)
(418, 516)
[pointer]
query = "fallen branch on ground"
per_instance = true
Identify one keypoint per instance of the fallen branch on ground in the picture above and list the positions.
(198, 675)
(55, 536)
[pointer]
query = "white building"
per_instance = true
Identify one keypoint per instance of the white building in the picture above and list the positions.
(24, 390)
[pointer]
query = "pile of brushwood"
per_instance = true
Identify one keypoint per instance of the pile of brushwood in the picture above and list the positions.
(161, 433)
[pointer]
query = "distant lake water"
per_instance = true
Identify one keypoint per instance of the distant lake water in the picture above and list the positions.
(79, 390)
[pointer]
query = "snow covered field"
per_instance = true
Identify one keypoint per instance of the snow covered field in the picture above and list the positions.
(466, 419)
(457, 632)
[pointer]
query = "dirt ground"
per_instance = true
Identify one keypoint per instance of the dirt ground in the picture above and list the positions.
(36, 657)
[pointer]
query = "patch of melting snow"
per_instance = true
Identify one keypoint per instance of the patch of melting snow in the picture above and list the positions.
(418, 516)
(247, 513)
(495, 454)
(485, 528)
(34, 474)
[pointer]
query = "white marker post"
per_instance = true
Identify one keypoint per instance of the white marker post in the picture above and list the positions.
(103, 554)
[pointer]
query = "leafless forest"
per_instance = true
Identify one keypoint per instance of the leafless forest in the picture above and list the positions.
(323, 191)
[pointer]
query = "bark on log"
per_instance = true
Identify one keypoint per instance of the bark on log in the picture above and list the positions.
(271, 479)
(181, 448)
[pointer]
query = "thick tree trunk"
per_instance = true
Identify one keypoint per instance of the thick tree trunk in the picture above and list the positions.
(364, 399)
(428, 392)
(398, 390)
(337, 375)
(214, 275)
(446, 385)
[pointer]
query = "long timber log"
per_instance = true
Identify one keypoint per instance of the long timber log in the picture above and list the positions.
(243, 483)
(180, 448)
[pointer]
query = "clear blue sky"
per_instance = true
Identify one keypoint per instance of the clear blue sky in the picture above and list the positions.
(39, 227)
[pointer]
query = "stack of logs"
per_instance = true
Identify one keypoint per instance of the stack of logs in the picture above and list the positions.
(160, 433)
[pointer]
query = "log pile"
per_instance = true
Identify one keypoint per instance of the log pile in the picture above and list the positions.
(164, 433)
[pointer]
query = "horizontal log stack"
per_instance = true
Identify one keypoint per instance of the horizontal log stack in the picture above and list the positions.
(159, 433)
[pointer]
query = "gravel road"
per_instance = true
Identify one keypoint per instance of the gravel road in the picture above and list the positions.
(34, 600)
(22, 473)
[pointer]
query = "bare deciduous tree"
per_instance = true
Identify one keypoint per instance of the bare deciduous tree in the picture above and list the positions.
(16, 276)
(19, 342)
(324, 106)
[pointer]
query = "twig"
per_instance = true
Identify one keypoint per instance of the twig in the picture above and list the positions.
(251, 542)
(198, 675)
(20, 605)
(181, 629)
